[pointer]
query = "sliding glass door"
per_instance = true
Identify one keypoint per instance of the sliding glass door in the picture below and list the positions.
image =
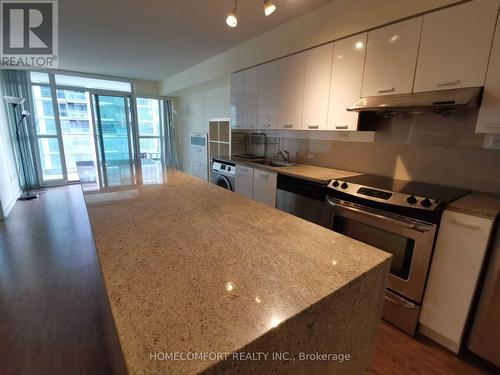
(77, 135)
(151, 141)
(113, 124)
(96, 131)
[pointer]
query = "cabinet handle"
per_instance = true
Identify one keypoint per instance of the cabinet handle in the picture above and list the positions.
(265, 175)
(268, 125)
(464, 225)
(493, 126)
(288, 126)
(311, 126)
(448, 83)
(386, 89)
(341, 126)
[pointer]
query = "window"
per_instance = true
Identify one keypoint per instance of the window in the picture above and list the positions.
(149, 121)
(122, 141)
(77, 133)
(93, 83)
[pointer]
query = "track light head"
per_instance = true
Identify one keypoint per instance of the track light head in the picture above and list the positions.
(269, 7)
(232, 20)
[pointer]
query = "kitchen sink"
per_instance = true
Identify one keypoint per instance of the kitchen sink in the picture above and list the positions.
(276, 163)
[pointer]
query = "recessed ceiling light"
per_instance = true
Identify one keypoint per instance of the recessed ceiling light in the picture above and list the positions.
(269, 7)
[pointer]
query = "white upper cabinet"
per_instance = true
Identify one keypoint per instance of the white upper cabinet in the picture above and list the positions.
(237, 100)
(347, 78)
(267, 98)
(488, 120)
(455, 46)
(391, 57)
(250, 89)
(317, 87)
(291, 91)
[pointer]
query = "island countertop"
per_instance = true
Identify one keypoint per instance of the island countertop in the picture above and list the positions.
(191, 267)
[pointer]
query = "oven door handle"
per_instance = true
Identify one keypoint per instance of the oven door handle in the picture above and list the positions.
(365, 212)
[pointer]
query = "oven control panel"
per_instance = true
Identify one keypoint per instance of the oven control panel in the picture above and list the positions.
(384, 196)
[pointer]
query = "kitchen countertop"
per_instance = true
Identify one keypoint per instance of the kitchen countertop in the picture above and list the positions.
(477, 204)
(304, 171)
(191, 267)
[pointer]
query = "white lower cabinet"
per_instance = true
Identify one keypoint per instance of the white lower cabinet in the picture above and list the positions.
(244, 181)
(199, 170)
(264, 187)
(256, 184)
(458, 257)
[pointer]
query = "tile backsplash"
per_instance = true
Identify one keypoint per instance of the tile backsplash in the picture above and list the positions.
(424, 147)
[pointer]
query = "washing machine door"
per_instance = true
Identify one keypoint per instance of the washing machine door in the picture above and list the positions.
(223, 182)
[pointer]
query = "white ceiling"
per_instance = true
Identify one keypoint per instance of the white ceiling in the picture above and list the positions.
(155, 39)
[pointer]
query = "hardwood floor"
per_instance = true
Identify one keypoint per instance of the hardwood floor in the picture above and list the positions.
(51, 291)
(52, 300)
(398, 353)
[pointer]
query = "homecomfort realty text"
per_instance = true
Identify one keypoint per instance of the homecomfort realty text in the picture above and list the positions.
(248, 356)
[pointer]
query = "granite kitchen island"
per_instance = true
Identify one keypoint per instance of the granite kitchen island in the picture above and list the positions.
(203, 280)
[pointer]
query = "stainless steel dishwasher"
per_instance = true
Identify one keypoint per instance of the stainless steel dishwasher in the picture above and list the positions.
(302, 198)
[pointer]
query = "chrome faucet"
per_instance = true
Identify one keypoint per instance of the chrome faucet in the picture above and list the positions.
(285, 155)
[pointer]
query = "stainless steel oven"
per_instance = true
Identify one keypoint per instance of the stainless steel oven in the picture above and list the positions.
(392, 216)
(409, 241)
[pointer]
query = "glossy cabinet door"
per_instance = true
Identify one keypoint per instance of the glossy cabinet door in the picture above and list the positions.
(264, 187)
(488, 120)
(391, 57)
(455, 46)
(250, 88)
(244, 181)
(456, 265)
(267, 98)
(291, 91)
(317, 87)
(237, 100)
(347, 78)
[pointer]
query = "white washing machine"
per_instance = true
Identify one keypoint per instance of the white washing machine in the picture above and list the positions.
(223, 174)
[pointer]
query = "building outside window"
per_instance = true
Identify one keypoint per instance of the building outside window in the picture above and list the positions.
(73, 142)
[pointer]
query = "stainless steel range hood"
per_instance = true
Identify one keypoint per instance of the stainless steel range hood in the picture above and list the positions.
(441, 102)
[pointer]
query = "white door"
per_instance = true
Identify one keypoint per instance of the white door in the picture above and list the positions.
(347, 78)
(264, 187)
(455, 46)
(291, 91)
(317, 87)
(244, 181)
(250, 98)
(391, 57)
(488, 120)
(237, 100)
(267, 97)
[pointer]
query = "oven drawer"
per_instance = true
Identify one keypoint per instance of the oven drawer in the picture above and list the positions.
(401, 312)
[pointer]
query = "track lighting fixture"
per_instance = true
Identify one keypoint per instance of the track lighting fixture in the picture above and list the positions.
(232, 20)
(269, 7)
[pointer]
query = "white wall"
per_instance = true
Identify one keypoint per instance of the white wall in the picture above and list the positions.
(9, 181)
(192, 113)
(335, 20)
(147, 88)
